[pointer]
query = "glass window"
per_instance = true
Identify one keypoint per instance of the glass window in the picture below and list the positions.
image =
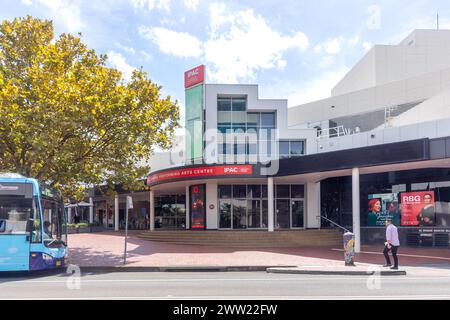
(297, 191)
(253, 119)
(224, 118)
(268, 119)
(239, 191)
(224, 104)
(284, 149)
(14, 214)
(264, 191)
(239, 214)
(239, 104)
(265, 210)
(254, 191)
(297, 148)
(225, 191)
(239, 118)
(282, 191)
(254, 214)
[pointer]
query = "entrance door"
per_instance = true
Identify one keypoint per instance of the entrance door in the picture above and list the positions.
(282, 218)
(225, 214)
(297, 207)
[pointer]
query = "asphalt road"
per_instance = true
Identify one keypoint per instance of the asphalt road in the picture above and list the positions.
(227, 285)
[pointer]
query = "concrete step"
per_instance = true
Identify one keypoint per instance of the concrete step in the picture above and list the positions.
(244, 238)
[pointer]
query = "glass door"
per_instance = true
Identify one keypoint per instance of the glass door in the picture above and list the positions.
(254, 214)
(225, 214)
(282, 217)
(297, 207)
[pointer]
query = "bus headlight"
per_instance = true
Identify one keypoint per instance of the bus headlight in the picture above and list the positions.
(47, 258)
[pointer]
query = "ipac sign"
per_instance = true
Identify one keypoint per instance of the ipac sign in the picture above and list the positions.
(194, 76)
(199, 172)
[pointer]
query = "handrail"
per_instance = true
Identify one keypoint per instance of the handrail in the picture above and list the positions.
(335, 224)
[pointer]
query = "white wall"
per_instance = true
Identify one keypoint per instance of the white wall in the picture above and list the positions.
(211, 199)
(395, 93)
(253, 104)
(432, 129)
(423, 51)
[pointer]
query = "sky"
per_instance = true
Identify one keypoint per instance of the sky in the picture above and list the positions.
(295, 50)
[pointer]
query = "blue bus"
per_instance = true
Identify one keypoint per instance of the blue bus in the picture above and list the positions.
(33, 232)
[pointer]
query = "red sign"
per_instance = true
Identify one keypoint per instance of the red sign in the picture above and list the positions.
(194, 76)
(418, 208)
(224, 170)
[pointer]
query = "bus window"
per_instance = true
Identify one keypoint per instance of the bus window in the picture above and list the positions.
(53, 234)
(14, 214)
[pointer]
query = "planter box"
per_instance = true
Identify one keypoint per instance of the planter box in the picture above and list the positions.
(96, 228)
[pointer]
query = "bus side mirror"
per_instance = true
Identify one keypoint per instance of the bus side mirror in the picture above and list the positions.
(2, 226)
(30, 225)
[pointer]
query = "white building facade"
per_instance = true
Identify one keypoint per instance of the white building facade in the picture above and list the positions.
(379, 147)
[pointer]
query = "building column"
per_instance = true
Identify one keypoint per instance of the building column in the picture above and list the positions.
(116, 213)
(188, 208)
(270, 204)
(69, 215)
(356, 209)
(312, 206)
(91, 210)
(152, 210)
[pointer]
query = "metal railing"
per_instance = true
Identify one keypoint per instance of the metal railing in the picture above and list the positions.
(335, 224)
(333, 132)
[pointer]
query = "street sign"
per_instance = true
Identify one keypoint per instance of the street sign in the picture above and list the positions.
(130, 202)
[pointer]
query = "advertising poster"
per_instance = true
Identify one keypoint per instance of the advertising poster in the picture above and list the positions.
(198, 209)
(418, 208)
(381, 207)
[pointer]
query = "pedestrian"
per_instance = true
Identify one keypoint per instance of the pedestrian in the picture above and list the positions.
(392, 243)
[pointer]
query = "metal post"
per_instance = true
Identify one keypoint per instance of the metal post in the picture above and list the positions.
(91, 210)
(152, 210)
(116, 213)
(356, 209)
(126, 233)
(270, 206)
(188, 208)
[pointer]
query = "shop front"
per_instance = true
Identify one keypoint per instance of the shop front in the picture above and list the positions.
(418, 202)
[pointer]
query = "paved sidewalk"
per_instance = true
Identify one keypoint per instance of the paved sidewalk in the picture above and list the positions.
(106, 249)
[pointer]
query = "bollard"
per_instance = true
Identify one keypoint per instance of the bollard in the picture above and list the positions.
(349, 249)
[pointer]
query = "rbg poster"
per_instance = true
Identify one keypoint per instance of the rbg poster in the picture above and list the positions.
(418, 208)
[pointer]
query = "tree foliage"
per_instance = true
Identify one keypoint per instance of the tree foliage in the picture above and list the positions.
(68, 119)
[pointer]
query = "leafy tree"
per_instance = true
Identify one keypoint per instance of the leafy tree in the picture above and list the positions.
(68, 119)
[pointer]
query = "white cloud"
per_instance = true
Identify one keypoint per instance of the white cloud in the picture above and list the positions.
(147, 57)
(191, 4)
(151, 4)
(179, 44)
(118, 61)
(326, 62)
(125, 48)
(330, 46)
(367, 45)
(65, 12)
(241, 43)
(27, 2)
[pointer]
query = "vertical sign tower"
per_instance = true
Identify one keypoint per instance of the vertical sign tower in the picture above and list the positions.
(194, 92)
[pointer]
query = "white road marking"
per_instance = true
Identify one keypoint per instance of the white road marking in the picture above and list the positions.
(310, 278)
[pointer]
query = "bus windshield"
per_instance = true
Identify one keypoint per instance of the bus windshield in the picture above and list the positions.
(15, 213)
(54, 233)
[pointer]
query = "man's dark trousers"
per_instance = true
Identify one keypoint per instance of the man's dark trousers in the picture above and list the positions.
(393, 249)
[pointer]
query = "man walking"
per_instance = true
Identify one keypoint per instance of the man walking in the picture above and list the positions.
(392, 243)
